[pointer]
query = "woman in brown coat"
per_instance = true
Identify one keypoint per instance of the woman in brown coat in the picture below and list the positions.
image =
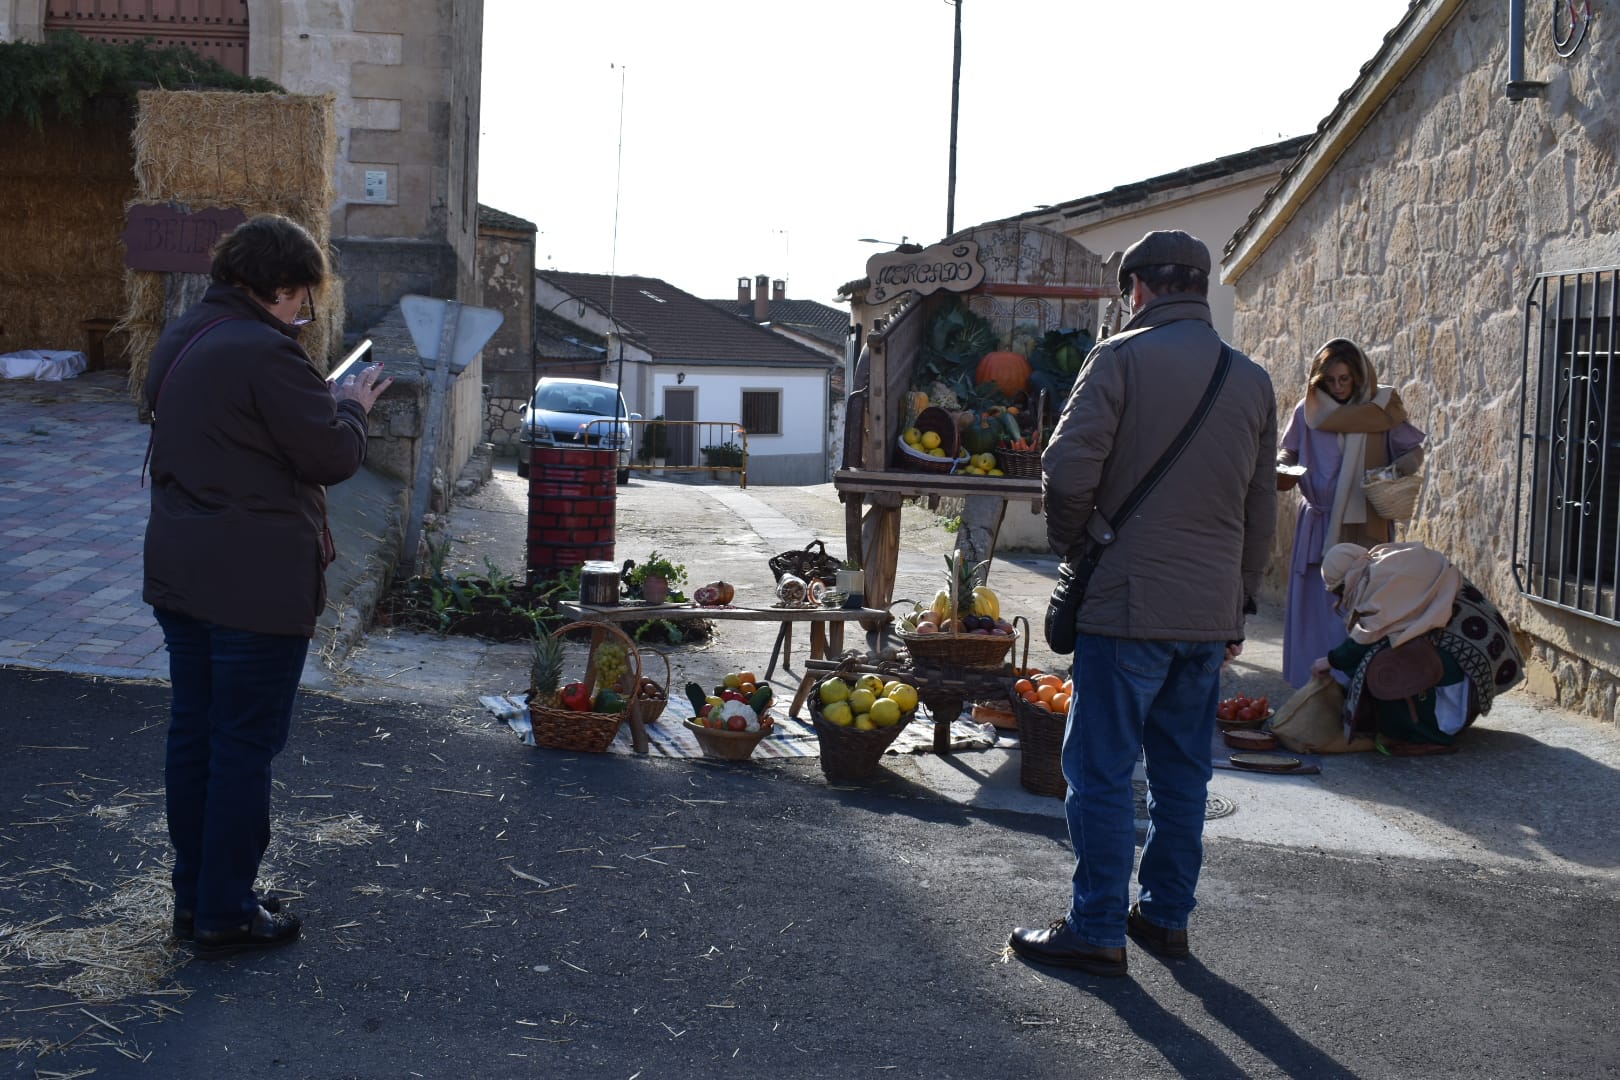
(246, 433)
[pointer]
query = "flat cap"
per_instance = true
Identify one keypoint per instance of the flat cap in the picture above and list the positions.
(1164, 246)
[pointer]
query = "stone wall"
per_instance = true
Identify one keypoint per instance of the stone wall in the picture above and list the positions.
(506, 277)
(1422, 243)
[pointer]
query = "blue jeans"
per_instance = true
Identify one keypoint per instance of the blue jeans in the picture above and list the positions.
(1132, 697)
(232, 705)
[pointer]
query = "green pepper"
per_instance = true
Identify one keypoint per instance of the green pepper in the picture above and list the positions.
(608, 701)
(761, 699)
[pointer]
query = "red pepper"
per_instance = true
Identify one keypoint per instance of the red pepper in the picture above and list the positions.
(577, 696)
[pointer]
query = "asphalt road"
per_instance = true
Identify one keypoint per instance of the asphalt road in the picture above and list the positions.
(475, 908)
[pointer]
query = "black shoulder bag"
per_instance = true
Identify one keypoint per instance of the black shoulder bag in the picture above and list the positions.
(1075, 573)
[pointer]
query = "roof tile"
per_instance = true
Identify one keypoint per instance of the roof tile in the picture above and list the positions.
(673, 325)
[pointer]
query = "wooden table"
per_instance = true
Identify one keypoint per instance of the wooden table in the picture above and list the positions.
(826, 631)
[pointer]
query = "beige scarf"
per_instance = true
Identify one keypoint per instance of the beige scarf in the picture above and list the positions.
(1399, 591)
(1373, 411)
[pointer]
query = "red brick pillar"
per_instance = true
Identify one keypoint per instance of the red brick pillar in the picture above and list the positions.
(572, 504)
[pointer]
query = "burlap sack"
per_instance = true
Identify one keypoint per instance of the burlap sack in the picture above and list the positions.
(1312, 721)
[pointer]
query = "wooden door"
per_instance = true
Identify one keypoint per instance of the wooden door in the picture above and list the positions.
(681, 405)
(212, 28)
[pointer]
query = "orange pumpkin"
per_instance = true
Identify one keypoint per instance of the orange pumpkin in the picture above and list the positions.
(1008, 370)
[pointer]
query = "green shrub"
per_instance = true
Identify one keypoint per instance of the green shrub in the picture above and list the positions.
(65, 73)
(723, 455)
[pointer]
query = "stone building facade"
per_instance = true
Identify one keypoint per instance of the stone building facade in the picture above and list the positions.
(506, 278)
(1416, 223)
(405, 76)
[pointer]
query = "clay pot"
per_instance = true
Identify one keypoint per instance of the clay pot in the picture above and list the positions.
(654, 589)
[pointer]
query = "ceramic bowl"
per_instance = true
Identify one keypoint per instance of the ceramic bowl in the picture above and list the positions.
(1244, 725)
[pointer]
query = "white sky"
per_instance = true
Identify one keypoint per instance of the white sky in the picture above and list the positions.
(768, 136)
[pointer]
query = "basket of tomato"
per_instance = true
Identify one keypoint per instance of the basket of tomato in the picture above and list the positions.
(1242, 711)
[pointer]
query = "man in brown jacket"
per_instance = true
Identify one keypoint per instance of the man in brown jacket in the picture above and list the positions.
(1164, 608)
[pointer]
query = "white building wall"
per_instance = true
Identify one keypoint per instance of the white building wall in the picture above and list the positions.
(718, 400)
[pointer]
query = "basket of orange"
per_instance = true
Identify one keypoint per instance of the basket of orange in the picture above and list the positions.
(1041, 704)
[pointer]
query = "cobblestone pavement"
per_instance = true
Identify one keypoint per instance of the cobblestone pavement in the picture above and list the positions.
(72, 519)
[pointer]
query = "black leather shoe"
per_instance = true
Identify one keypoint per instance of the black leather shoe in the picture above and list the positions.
(1171, 944)
(185, 920)
(266, 931)
(1061, 946)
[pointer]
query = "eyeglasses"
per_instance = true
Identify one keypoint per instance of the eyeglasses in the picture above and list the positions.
(306, 312)
(1126, 289)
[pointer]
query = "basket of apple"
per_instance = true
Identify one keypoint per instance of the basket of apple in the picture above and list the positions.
(733, 719)
(856, 718)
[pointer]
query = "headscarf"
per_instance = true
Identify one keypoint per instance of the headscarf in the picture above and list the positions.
(1399, 591)
(1372, 409)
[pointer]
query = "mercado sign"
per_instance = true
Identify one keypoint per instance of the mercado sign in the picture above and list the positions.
(161, 237)
(952, 266)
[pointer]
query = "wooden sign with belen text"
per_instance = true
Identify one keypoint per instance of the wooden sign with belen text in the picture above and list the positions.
(160, 237)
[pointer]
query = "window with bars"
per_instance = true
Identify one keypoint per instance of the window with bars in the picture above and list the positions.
(1566, 542)
(762, 412)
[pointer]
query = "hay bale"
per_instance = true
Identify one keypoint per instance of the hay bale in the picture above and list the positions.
(65, 193)
(264, 153)
(260, 153)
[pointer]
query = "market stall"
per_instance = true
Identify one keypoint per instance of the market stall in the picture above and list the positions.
(975, 344)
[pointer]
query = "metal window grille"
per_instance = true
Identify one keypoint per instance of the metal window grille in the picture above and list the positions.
(1566, 530)
(762, 412)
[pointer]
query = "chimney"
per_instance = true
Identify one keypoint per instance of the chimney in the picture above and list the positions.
(742, 290)
(762, 300)
(778, 289)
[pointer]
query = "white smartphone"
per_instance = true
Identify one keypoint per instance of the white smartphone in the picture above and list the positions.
(351, 366)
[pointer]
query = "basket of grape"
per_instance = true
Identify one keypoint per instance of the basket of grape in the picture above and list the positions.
(962, 625)
(585, 714)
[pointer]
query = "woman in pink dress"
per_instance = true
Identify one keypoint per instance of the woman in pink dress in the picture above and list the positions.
(1345, 425)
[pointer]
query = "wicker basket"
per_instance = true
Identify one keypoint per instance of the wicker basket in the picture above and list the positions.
(941, 423)
(1040, 745)
(1024, 464)
(1395, 498)
(848, 755)
(729, 745)
(980, 652)
(647, 704)
(580, 732)
(809, 563)
(587, 732)
(916, 461)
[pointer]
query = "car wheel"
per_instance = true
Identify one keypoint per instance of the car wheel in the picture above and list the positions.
(624, 476)
(523, 464)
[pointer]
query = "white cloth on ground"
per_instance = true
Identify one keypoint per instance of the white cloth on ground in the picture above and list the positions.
(50, 365)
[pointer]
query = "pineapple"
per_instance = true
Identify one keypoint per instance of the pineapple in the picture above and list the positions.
(962, 578)
(545, 672)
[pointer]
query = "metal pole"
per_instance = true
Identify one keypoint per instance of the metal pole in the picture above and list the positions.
(421, 488)
(956, 87)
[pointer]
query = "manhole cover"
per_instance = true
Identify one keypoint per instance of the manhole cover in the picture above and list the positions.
(1215, 806)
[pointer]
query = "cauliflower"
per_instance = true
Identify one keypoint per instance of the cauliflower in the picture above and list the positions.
(742, 709)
